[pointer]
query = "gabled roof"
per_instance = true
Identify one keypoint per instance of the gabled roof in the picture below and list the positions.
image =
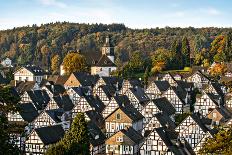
(223, 111)
(108, 90)
(130, 111)
(95, 134)
(95, 118)
(162, 85)
(50, 134)
(140, 94)
(55, 89)
(95, 102)
(164, 105)
(132, 134)
(28, 112)
(165, 120)
(37, 71)
(85, 79)
(63, 101)
(55, 114)
(122, 100)
(104, 61)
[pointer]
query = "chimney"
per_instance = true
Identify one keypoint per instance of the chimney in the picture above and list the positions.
(15, 83)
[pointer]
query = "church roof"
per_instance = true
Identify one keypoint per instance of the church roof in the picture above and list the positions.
(104, 61)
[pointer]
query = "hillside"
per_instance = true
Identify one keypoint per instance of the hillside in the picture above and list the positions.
(38, 44)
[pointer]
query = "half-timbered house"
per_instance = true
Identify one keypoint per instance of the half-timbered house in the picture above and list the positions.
(115, 102)
(193, 128)
(40, 139)
(157, 88)
(137, 97)
(97, 139)
(125, 141)
(123, 116)
(164, 141)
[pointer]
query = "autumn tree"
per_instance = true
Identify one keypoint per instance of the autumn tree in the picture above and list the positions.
(218, 69)
(161, 59)
(74, 62)
(218, 49)
(55, 62)
(220, 143)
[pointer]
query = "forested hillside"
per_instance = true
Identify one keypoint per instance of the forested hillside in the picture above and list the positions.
(38, 44)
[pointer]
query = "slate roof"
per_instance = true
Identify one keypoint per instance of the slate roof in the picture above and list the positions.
(37, 71)
(39, 98)
(95, 118)
(164, 105)
(130, 111)
(28, 112)
(104, 61)
(55, 89)
(162, 85)
(170, 138)
(95, 102)
(63, 101)
(133, 135)
(108, 90)
(165, 120)
(201, 121)
(140, 94)
(50, 134)
(85, 79)
(55, 114)
(122, 100)
(96, 136)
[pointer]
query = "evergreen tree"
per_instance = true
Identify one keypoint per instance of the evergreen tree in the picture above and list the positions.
(10, 102)
(185, 49)
(145, 76)
(177, 62)
(228, 46)
(75, 141)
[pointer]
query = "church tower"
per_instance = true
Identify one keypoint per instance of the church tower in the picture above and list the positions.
(108, 49)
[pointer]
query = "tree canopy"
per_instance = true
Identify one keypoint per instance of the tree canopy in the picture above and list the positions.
(74, 62)
(75, 141)
(220, 143)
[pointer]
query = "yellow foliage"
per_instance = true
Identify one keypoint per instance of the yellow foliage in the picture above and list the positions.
(74, 62)
(218, 69)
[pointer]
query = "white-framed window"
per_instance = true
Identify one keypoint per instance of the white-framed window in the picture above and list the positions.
(214, 115)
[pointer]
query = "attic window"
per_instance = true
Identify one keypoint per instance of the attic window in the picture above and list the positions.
(119, 139)
(118, 116)
(105, 62)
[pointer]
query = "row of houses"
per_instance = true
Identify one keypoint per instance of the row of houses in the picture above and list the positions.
(124, 117)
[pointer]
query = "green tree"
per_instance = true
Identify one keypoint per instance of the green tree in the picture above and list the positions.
(55, 62)
(75, 141)
(220, 143)
(185, 48)
(146, 76)
(136, 62)
(10, 104)
(228, 46)
(74, 62)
